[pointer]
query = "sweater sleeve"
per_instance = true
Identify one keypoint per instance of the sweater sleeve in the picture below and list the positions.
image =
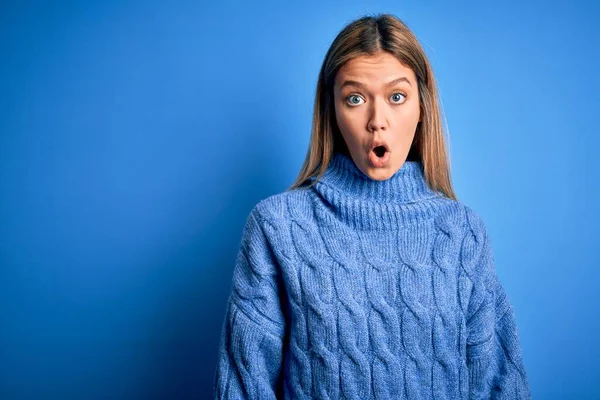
(494, 359)
(252, 334)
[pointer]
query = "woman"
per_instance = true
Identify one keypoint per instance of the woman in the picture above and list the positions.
(368, 278)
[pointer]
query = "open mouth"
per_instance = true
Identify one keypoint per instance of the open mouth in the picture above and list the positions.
(379, 156)
(380, 151)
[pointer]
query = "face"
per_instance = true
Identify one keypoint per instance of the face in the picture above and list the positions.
(377, 111)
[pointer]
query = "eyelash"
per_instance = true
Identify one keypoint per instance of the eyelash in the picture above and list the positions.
(354, 94)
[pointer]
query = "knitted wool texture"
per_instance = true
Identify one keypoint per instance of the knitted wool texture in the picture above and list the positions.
(365, 289)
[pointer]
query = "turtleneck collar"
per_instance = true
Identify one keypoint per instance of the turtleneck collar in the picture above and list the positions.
(368, 204)
(407, 185)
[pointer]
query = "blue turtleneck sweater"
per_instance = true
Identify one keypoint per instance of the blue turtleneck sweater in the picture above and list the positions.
(363, 289)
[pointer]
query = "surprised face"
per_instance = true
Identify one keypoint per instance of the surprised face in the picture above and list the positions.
(377, 111)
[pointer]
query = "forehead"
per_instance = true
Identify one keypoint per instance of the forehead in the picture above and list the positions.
(374, 70)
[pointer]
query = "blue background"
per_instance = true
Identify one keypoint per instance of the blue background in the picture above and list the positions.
(136, 138)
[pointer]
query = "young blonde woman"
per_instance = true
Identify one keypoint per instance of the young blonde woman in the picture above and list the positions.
(368, 279)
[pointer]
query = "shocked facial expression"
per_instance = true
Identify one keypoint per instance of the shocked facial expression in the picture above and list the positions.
(377, 111)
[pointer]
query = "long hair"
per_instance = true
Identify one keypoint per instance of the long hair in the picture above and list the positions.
(369, 35)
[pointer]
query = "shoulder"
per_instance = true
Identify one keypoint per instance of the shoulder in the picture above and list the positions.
(458, 215)
(473, 221)
(470, 221)
(283, 206)
(267, 225)
(270, 215)
(462, 222)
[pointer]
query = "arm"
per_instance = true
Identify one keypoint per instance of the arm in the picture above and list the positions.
(251, 343)
(494, 360)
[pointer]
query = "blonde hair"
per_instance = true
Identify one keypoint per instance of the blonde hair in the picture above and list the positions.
(367, 36)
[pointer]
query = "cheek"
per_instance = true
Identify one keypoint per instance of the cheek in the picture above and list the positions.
(349, 131)
(349, 119)
(344, 123)
(407, 119)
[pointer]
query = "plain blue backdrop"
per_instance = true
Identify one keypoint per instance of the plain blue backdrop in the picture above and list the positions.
(135, 139)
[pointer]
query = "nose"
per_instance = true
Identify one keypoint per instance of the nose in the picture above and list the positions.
(377, 120)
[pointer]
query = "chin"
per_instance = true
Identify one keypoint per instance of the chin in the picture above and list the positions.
(379, 174)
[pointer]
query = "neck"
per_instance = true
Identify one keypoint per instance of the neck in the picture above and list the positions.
(366, 202)
(407, 185)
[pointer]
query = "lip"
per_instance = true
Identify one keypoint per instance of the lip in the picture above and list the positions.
(379, 162)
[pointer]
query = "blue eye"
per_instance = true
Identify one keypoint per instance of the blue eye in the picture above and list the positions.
(395, 96)
(353, 96)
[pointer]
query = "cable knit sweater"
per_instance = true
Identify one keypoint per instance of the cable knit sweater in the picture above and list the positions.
(363, 289)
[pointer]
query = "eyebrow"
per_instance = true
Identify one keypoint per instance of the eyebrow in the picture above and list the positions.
(361, 85)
